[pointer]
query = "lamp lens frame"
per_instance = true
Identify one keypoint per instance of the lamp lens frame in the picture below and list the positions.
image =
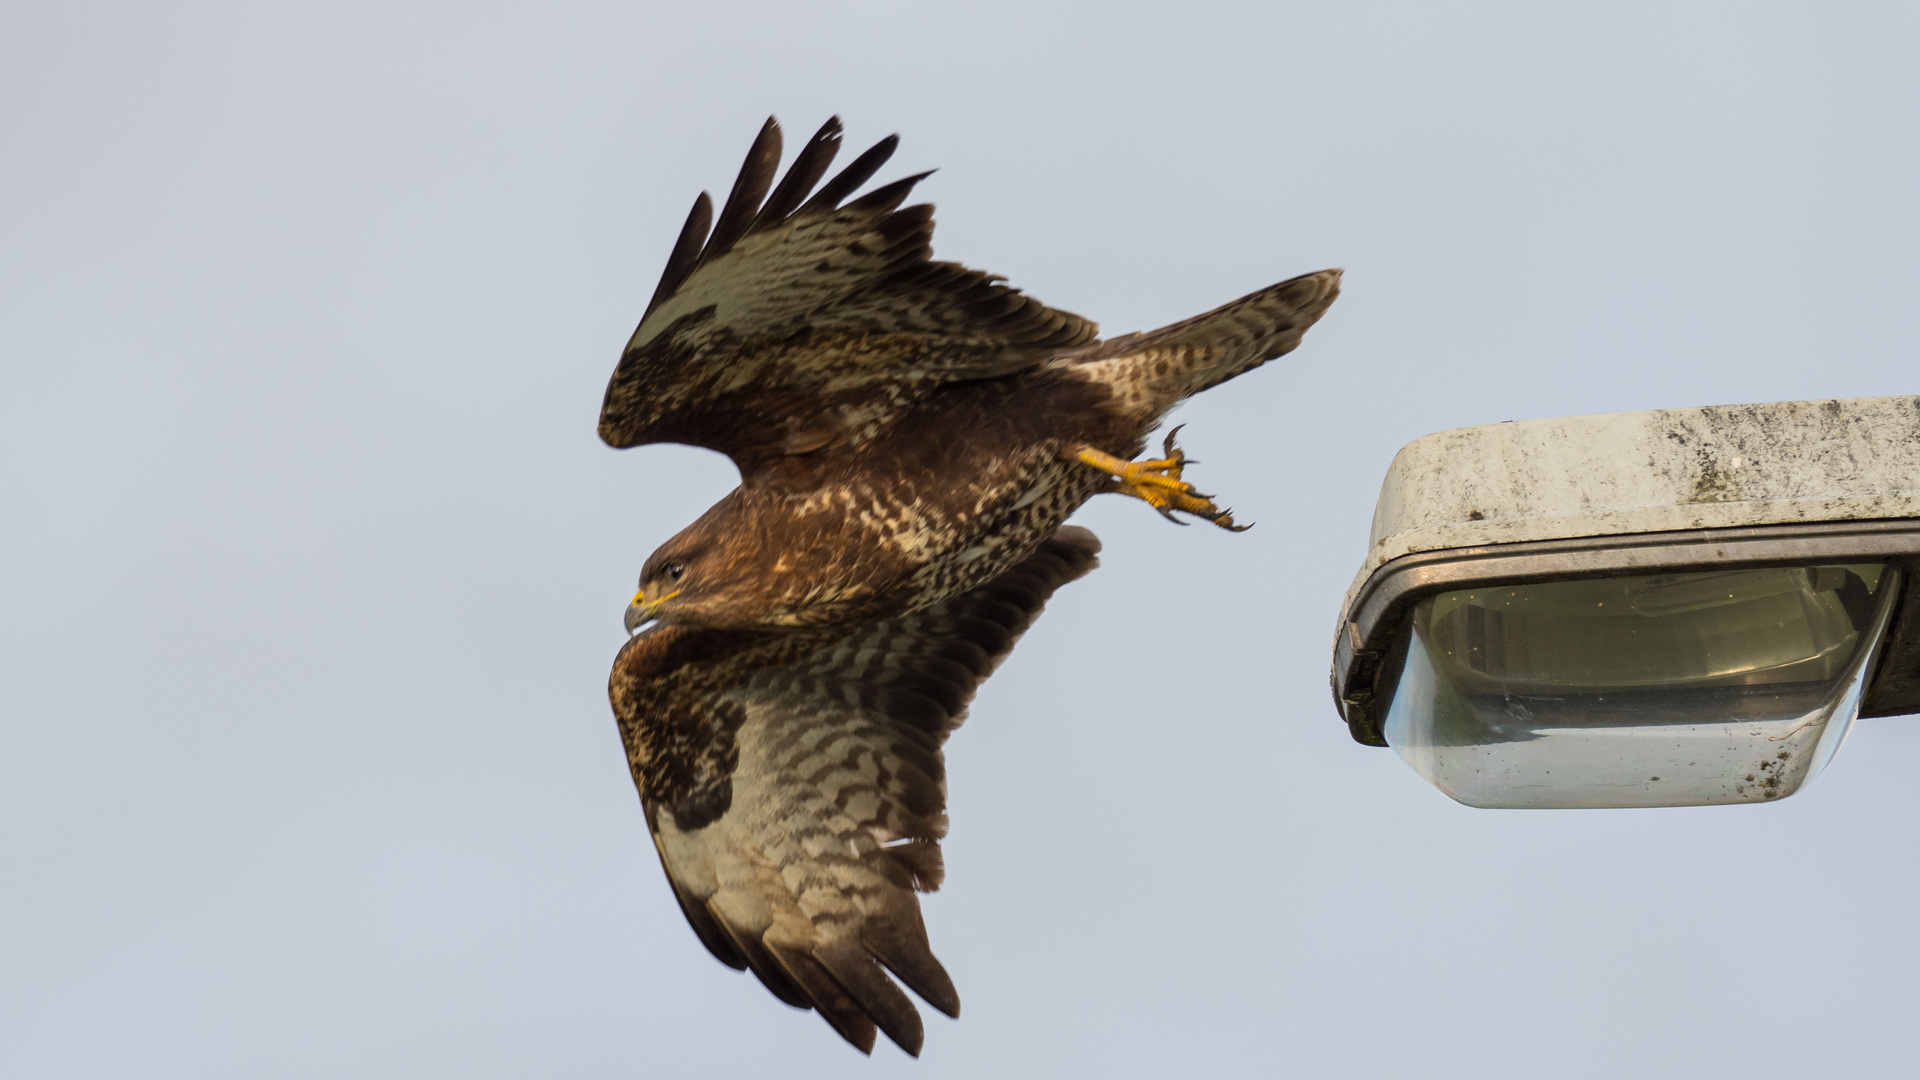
(1371, 647)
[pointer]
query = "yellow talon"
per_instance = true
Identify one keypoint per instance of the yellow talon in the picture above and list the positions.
(1158, 483)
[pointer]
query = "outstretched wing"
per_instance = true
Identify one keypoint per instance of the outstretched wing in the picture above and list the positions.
(802, 861)
(776, 332)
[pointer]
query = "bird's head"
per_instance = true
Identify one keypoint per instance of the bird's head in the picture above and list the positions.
(673, 584)
(714, 574)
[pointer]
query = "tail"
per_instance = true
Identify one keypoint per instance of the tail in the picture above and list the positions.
(1158, 369)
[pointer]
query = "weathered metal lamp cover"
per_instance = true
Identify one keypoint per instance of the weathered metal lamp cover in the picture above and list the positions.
(1665, 608)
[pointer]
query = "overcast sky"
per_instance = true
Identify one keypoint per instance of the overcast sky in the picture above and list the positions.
(311, 564)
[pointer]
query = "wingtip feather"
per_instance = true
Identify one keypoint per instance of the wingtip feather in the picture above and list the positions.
(830, 1000)
(686, 251)
(754, 957)
(906, 954)
(809, 165)
(861, 976)
(749, 191)
(888, 197)
(850, 178)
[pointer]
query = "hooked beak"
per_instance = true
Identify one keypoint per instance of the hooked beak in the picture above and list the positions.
(642, 611)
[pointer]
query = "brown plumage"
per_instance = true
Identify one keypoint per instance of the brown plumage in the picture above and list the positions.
(911, 437)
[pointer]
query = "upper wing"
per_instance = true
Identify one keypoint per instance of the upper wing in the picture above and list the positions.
(796, 849)
(796, 311)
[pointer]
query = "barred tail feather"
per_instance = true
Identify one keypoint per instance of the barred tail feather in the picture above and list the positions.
(1158, 369)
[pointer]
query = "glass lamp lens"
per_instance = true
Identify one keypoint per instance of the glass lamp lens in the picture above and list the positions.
(1660, 690)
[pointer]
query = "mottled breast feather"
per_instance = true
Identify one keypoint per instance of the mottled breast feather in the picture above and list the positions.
(797, 318)
(796, 792)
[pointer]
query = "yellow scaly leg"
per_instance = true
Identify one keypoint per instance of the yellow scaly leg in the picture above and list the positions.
(1157, 481)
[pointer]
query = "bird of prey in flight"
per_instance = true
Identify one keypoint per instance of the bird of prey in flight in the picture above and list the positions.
(911, 436)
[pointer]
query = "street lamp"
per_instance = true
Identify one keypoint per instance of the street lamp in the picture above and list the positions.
(1669, 608)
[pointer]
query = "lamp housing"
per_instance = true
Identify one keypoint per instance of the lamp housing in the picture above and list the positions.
(1677, 607)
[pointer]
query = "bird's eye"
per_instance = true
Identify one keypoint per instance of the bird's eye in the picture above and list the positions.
(674, 570)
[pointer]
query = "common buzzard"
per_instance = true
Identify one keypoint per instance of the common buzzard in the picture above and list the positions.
(911, 437)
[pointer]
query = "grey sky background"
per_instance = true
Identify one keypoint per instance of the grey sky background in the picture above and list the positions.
(311, 565)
